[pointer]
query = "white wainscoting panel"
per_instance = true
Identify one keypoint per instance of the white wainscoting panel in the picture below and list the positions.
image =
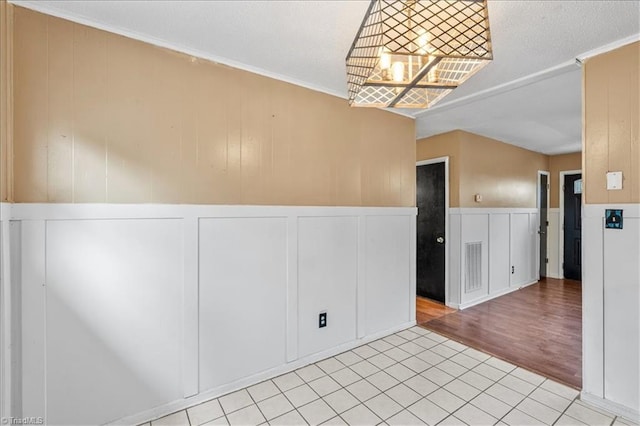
(554, 233)
(113, 318)
(388, 258)
(243, 278)
(509, 238)
(521, 252)
(328, 260)
(592, 303)
(8, 311)
(534, 246)
(455, 260)
(475, 229)
(499, 266)
(32, 288)
(621, 318)
(611, 302)
(130, 312)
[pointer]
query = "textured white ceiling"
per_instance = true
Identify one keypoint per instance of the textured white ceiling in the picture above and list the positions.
(533, 116)
(305, 42)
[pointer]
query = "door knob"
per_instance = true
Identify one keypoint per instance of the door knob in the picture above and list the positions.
(440, 240)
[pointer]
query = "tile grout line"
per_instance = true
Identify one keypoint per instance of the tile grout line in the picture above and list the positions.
(287, 398)
(254, 403)
(568, 406)
(401, 341)
(442, 343)
(527, 396)
(482, 391)
(304, 383)
(312, 389)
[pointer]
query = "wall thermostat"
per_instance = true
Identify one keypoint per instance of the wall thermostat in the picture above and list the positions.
(613, 219)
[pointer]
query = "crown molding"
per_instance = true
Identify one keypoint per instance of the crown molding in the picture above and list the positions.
(608, 47)
(531, 78)
(486, 93)
(58, 13)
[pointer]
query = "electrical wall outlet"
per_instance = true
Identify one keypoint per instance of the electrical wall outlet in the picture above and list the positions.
(322, 319)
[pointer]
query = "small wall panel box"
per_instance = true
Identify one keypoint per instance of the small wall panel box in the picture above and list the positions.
(614, 180)
(613, 219)
(477, 198)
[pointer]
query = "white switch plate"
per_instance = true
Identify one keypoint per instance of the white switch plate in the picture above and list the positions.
(614, 180)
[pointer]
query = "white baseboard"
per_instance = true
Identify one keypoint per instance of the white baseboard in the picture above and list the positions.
(613, 407)
(488, 297)
(161, 411)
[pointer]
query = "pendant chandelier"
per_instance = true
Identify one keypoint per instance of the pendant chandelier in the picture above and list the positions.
(412, 53)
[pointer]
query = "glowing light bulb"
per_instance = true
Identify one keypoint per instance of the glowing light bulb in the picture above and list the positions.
(385, 59)
(397, 71)
(423, 42)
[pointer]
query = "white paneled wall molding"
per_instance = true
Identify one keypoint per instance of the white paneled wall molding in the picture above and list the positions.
(130, 312)
(493, 251)
(610, 310)
(6, 315)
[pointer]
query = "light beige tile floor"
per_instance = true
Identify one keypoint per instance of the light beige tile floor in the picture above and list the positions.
(413, 377)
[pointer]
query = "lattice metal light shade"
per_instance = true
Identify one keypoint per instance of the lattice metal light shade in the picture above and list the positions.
(412, 53)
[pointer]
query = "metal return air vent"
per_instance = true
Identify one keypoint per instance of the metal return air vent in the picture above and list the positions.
(473, 263)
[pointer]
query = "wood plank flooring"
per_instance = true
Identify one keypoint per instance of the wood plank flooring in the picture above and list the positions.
(538, 327)
(427, 309)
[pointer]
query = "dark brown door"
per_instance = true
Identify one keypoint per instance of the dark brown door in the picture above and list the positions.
(572, 265)
(431, 231)
(544, 223)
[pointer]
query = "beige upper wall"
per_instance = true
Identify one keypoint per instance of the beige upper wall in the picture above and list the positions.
(6, 120)
(103, 118)
(557, 164)
(504, 175)
(611, 93)
(444, 145)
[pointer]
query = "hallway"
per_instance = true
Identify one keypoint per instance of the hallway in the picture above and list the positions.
(538, 327)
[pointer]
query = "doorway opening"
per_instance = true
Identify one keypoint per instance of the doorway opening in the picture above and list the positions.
(432, 200)
(545, 335)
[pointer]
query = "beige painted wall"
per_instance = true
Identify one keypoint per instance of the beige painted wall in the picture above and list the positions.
(557, 164)
(446, 144)
(611, 130)
(103, 118)
(6, 120)
(505, 175)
